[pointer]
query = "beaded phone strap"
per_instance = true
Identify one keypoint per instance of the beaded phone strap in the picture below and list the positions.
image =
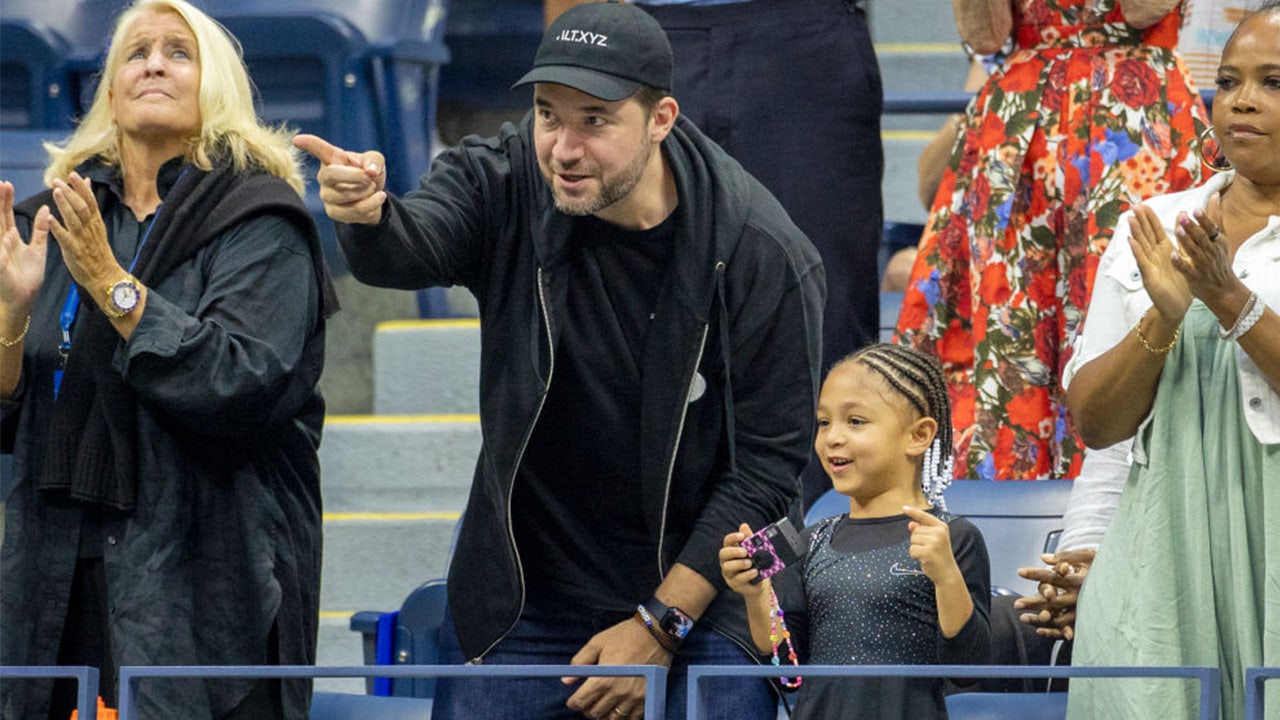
(778, 632)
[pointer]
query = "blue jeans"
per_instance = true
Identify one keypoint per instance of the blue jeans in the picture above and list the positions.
(542, 639)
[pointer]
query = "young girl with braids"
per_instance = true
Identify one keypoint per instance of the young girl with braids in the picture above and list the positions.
(896, 581)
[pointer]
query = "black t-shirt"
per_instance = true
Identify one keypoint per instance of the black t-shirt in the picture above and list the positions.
(577, 511)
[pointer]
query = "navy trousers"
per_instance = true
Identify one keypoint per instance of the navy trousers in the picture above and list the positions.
(542, 638)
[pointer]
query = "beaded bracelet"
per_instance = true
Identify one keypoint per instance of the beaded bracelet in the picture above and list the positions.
(643, 617)
(1249, 316)
(1163, 349)
(778, 632)
(10, 343)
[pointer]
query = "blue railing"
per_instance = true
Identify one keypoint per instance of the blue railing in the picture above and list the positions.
(1210, 679)
(1254, 696)
(86, 683)
(937, 103)
(655, 676)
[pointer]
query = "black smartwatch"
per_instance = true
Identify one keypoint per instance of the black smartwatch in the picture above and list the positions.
(672, 621)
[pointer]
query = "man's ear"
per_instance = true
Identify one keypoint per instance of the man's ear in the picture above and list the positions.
(923, 431)
(663, 118)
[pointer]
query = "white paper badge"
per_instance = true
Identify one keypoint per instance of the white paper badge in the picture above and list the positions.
(699, 387)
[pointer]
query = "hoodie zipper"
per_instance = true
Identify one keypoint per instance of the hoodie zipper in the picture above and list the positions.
(511, 536)
(671, 466)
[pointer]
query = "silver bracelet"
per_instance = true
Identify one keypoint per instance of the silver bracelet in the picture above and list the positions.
(1250, 314)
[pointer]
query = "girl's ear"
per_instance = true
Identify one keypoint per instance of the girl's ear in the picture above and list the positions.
(923, 430)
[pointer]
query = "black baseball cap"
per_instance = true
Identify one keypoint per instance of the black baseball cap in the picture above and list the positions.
(605, 49)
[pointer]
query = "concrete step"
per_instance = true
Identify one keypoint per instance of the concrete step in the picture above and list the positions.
(418, 463)
(901, 181)
(371, 562)
(911, 21)
(372, 568)
(426, 366)
(922, 67)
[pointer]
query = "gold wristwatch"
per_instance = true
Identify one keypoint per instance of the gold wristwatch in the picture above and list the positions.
(122, 297)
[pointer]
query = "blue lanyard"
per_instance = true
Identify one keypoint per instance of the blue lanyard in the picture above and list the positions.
(71, 305)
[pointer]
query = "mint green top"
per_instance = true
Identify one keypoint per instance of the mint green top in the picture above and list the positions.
(1189, 571)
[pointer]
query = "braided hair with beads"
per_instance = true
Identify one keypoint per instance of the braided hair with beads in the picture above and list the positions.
(919, 379)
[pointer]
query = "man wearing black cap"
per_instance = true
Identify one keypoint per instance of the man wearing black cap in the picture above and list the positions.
(651, 332)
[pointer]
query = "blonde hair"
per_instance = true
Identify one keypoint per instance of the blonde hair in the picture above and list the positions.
(229, 125)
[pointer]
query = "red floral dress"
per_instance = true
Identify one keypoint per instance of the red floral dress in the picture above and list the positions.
(1087, 115)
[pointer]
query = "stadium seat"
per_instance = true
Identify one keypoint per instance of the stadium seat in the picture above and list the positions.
(23, 159)
(1007, 706)
(361, 74)
(896, 236)
(348, 706)
(828, 504)
(492, 44)
(409, 636)
(35, 91)
(1016, 520)
(50, 55)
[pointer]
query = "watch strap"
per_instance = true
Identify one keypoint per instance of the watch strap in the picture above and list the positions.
(645, 618)
(672, 621)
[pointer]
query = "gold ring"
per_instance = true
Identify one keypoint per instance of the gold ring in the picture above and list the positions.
(620, 714)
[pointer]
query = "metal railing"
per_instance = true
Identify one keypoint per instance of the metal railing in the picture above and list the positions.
(86, 683)
(940, 103)
(1210, 679)
(655, 676)
(1254, 695)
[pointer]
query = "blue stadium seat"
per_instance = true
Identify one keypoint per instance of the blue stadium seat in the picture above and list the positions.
(409, 636)
(23, 159)
(1007, 706)
(347, 706)
(360, 73)
(830, 503)
(492, 44)
(1016, 518)
(50, 54)
(35, 90)
(896, 236)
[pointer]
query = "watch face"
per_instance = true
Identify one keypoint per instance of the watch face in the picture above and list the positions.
(677, 623)
(124, 296)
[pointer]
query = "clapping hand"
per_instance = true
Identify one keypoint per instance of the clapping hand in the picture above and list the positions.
(1053, 609)
(1203, 258)
(21, 263)
(1154, 251)
(82, 235)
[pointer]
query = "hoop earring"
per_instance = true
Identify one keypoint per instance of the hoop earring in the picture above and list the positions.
(1219, 163)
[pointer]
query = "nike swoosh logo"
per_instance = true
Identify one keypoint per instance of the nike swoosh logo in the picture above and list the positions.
(898, 569)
